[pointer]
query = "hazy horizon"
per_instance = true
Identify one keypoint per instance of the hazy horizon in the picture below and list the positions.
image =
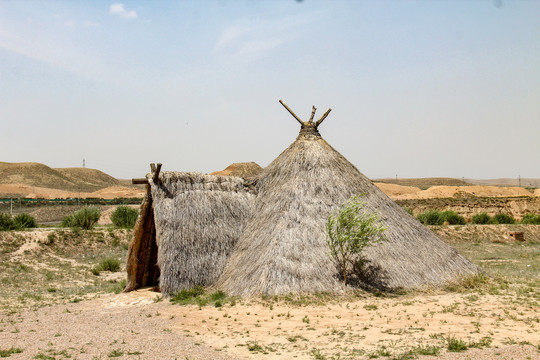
(417, 88)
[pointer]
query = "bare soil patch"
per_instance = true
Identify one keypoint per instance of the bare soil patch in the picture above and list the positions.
(54, 307)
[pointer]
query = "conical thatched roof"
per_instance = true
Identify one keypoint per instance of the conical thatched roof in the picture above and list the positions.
(284, 249)
(188, 226)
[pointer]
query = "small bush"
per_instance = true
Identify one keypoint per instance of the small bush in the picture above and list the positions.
(350, 230)
(124, 217)
(481, 219)
(531, 219)
(503, 219)
(109, 264)
(6, 223)
(85, 218)
(24, 221)
(431, 217)
(456, 345)
(452, 218)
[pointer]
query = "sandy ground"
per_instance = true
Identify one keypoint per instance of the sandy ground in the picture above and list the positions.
(138, 325)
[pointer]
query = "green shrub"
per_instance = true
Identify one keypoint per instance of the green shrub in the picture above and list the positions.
(531, 219)
(482, 219)
(455, 345)
(6, 223)
(109, 264)
(503, 219)
(453, 218)
(68, 221)
(349, 230)
(431, 217)
(24, 221)
(85, 218)
(124, 217)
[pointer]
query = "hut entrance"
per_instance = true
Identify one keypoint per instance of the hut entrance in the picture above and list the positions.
(142, 267)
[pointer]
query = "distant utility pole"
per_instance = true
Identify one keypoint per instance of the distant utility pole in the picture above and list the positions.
(519, 180)
(396, 177)
(83, 163)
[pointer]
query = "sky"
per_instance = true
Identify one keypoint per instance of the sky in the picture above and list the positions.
(417, 88)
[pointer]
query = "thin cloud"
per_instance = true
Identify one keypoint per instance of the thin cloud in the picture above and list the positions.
(248, 40)
(119, 10)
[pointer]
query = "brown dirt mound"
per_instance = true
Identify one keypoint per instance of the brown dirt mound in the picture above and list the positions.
(32, 192)
(471, 205)
(88, 177)
(459, 191)
(423, 183)
(68, 179)
(114, 192)
(393, 190)
(243, 170)
(537, 192)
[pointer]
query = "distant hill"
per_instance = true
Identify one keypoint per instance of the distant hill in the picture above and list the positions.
(244, 170)
(524, 182)
(39, 175)
(423, 183)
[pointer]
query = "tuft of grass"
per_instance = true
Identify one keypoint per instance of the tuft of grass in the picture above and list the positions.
(455, 345)
(109, 264)
(468, 283)
(115, 353)
(197, 295)
(187, 296)
(12, 350)
(427, 350)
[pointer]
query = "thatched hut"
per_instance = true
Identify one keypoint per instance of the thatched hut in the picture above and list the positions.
(284, 248)
(187, 227)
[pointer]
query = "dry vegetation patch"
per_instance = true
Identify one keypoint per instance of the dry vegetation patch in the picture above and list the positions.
(478, 318)
(46, 266)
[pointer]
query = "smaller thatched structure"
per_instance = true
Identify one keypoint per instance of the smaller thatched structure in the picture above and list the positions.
(188, 225)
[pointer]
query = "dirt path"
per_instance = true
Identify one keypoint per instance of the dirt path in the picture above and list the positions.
(139, 326)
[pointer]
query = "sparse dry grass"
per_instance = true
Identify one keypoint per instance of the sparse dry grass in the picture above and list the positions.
(44, 267)
(480, 313)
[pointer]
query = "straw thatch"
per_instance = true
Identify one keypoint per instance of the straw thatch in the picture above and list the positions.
(198, 219)
(284, 248)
